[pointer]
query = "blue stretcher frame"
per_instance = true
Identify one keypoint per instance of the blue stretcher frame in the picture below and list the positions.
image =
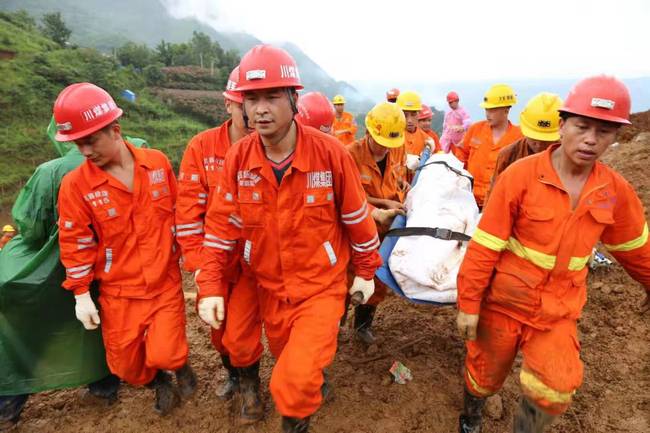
(387, 245)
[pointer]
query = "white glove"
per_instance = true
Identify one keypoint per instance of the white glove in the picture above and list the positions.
(86, 311)
(212, 311)
(366, 287)
(430, 144)
(412, 161)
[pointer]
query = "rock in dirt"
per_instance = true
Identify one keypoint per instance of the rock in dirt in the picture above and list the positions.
(494, 407)
(597, 285)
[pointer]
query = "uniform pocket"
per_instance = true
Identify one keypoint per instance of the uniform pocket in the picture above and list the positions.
(251, 207)
(537, 224)
(318, 206)
(516, 286)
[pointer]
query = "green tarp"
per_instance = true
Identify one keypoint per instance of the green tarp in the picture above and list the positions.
(42, 345)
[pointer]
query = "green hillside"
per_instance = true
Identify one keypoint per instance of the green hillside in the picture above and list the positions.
(30, 82)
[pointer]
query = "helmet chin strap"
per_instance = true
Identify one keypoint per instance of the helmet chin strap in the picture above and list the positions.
(290, 92)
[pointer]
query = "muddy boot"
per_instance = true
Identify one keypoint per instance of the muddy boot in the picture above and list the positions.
(470, 420)
(11, 406)
(363, 315)
(102, 392)
(252, 409)
(186, 380)
(230, 386)
(295, 425)
(167, 396)
(530, 419)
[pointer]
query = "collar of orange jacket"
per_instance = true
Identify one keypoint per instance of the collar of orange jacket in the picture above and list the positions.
(546, 172)
(139, 156)
(300, 161)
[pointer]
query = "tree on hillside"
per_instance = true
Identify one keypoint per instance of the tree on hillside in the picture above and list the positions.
(138, 56)
(54, 28)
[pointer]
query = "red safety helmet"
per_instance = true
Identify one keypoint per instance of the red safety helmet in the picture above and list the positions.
(82, 109)
(231, 85)
(315, 110)
(425, 113)
(600, 97)
(267, 67)
(392, 95)
(452, 96)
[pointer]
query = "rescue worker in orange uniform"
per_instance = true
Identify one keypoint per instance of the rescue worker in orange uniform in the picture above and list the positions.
(291, 196)
(379, 156)
(200, 169)
(391, 95)
(315, 110)
(425, 116)
(8, 233)
(415, 139)
(483, 140)
(344, 127)
(522, 283)
(540, 125)
(116, 226)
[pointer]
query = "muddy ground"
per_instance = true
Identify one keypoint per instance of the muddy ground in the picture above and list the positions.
(615, 396)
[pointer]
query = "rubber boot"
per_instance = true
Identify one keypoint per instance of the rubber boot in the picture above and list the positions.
(186, 381)
(295, 425)
(103, 391)
(470, 420)
(167, 395)
(530, 419)
(230, 386)
(363, 315)
(11, 406)
(252, 409)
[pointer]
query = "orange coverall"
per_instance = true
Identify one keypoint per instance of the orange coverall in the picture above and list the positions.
(525, 273)
(345, 128)
(126, 241)
(297, 240)
(479, 153)
(377, 186)
(200, 170)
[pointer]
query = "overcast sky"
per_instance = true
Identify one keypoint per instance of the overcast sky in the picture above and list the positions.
(442, 41)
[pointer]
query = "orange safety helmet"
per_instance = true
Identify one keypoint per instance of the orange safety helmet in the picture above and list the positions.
(392, 95)
(231, 85)
(82, 109)
(425, 113)
(600, 97)
(452, 96)
(267, 67)
(315, 110)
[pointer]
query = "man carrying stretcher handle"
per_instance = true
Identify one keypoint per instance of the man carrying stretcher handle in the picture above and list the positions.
(522, 284)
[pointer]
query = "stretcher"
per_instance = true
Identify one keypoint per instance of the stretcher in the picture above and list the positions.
(397, 229)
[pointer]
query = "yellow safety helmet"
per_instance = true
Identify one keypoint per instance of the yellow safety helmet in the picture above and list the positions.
(409, 101)
(386, 124)
(499, 95)
(8, 229)
(540, 119)
(338, 99)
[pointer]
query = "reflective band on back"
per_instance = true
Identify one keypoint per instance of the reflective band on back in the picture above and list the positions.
(330, 252)
(489, 241)
(633, 244)
(536, 388)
